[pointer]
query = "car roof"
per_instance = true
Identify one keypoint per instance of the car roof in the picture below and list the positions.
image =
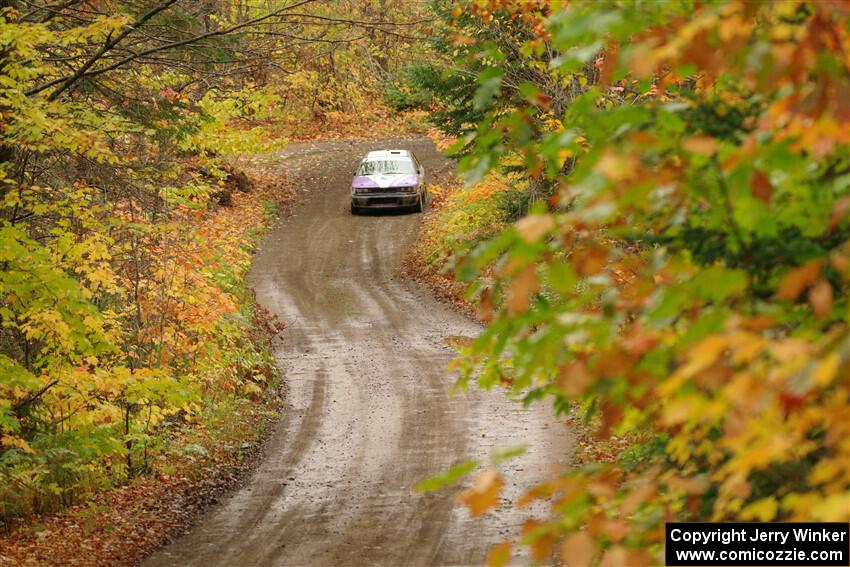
(384, 154)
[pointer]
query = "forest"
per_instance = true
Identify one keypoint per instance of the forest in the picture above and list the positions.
(650, 220)
(656, 229)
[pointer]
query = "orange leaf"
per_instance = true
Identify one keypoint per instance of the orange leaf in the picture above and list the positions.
(483, 494)
(640, 494)
(702, 145)
(578, 550)
(485, 307)
(540, 539)
(642, 63)
(533, 227)
(616, 557)
(839, 212)
(616, 529)
(574, 378)
(609, 62)
(521, 289)
(686, 485)
(798, 279)
(761, 187)
(461, 39)
(613, 362)
(589, 260)
(539, 492)
(841, 263)
(612, 414)
(820, 298)
(499, 554)
(758, 323)
(616, 167)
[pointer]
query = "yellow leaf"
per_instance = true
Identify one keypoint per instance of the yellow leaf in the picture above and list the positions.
(824, 472)
(680, 410)
(746, 347)
(826, 371)
(702, 355)
(834, 508)
(10, 441)
(763, 510)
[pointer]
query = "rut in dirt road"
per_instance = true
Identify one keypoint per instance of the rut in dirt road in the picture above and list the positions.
(368, 410)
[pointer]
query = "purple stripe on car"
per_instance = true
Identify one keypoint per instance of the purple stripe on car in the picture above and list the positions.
(363, 182)
(371, 182)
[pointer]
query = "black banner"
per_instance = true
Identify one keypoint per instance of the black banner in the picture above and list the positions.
(760, 544)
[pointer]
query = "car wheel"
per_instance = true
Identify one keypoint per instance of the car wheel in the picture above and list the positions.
(355, 210)
(420, 205)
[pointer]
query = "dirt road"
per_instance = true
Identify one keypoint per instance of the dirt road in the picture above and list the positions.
(368, 410)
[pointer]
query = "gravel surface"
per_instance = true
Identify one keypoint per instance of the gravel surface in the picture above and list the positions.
(368, 409)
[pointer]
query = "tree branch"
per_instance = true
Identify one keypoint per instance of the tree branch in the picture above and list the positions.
(84, 70)
(66, 82)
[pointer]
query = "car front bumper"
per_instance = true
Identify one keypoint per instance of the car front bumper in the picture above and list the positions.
(384, 200)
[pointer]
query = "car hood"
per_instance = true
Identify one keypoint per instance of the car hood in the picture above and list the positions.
(384, 181)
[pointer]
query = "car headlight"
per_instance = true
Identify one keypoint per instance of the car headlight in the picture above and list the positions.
(360, 190)
(407, 189)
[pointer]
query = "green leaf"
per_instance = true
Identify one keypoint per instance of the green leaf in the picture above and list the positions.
(447, 478)
(490, 80)
(508, 453)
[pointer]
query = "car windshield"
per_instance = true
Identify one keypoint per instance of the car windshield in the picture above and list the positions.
(373, 167)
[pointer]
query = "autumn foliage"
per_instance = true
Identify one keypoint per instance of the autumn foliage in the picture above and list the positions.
(129, 209)
(684, 283)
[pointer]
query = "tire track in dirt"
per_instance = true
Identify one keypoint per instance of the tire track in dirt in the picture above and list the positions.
(368, 411)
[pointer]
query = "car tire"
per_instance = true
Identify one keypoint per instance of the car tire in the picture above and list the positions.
(420, 205)
(355, 210)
